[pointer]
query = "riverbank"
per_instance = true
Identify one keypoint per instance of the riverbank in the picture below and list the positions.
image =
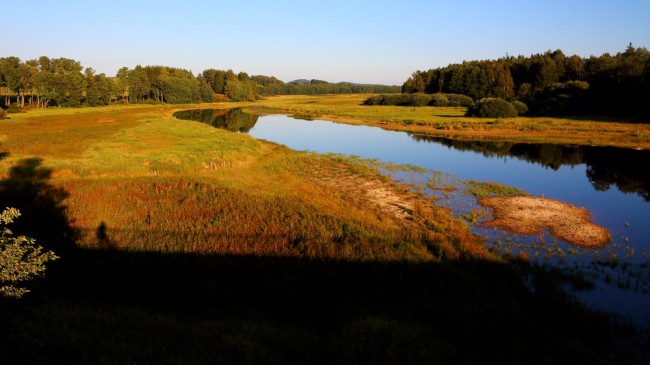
(450, 122)
(200, 245)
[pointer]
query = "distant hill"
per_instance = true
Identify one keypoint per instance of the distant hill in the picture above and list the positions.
(269, 85)
(300, 82)
(317, 82)
(358, 84)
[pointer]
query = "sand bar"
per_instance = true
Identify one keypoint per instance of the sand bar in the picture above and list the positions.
(528, 215)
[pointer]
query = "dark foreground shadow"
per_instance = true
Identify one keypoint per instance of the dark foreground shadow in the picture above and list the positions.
(117, 307)
(43, 212)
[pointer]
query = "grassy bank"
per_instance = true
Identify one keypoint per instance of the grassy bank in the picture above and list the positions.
(190, 244)
(451, 122)
(158, 184)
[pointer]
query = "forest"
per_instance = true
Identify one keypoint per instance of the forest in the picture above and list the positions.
(551, 83)
(44, 82)
(47, 82)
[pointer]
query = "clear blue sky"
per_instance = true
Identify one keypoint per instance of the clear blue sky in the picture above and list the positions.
(360, 41)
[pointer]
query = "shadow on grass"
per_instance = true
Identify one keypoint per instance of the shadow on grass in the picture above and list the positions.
(113, 306)
(43, 214)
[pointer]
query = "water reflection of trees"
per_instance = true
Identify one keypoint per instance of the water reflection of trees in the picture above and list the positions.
(626, 169)
(234, 120)
(606, 166)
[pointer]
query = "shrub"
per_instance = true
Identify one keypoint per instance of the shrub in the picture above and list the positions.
(420, 99)
(21, 258)
(396, 99)
(460, 100)
(439, 99)
(373, 100)
(492, 108)
(3, 113)
(520, 107)
(218, 98)
(15, 108)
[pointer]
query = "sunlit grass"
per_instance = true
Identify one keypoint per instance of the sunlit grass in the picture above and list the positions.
(451, 122)
(129, 141)
(160, 184)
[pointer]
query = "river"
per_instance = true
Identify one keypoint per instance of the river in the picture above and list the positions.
(613, 184)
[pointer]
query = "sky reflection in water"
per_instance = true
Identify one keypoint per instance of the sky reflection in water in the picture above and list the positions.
(566, 173)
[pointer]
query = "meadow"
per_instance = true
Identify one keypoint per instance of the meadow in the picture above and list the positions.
(158, 184)
(450, 122)
(189, 244)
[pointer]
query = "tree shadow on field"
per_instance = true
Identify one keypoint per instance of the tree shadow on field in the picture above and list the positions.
(43, 214)
(197, 309)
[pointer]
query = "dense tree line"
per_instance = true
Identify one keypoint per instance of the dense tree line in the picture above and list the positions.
(269, 85)
(41, 82)
(550, 83)
(236, 87)
(46, 82)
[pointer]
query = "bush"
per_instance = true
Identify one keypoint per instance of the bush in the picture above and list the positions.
(21, 259)
(492, 108)
(373, 100)
(219, 98)
(3, 113)
(396, 99)
(520, 107)
(15, 108)
(439, 99)
(420, 99)
(460, 100)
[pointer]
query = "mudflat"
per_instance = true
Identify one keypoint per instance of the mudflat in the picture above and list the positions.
(528, 215)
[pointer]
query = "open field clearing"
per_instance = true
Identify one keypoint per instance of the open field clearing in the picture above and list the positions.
(158, 184)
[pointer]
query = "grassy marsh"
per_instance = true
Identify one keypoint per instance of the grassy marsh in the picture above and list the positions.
(451, 122)
(160, 184)
(201, 245)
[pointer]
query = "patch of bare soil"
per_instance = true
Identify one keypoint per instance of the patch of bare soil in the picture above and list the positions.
(369, 191)
(528, 215)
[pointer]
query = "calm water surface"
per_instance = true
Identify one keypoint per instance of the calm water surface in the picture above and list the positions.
(613, 184)
(617, 198)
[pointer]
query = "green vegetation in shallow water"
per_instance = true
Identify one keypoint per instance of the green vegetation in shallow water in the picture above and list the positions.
(484, 189)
